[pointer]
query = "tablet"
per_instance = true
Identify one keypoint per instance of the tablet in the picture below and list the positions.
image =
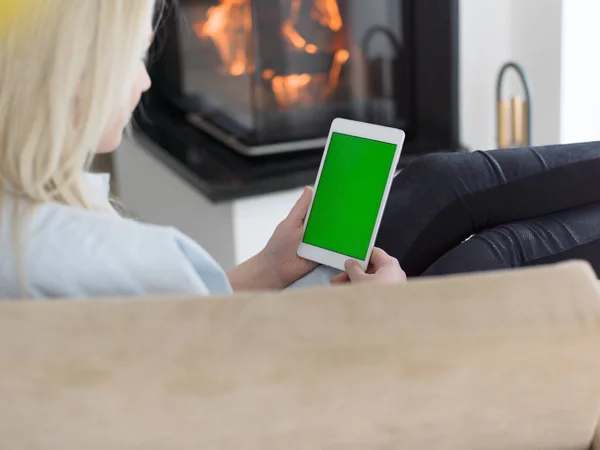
(350, 193)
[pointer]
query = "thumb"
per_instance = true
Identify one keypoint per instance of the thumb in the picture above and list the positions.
(380, 258)
(342, 278)
(355, 272)
(298, 212)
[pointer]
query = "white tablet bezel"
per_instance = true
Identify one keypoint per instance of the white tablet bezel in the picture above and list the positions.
(366, 131)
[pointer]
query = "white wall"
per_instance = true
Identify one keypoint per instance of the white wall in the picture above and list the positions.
(493, 32)
(484, 45)
(535, 44)
(555, 41)
(580, 75)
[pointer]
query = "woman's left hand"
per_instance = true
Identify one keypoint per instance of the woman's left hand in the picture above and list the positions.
(277, 265)
(280, 252)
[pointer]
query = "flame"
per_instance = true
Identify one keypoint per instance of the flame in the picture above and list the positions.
(289, 26)
(291, 89)
(327, 13)
(293, 36)
(311, 48)
(339, 59)
(268, 74)
(227, 25)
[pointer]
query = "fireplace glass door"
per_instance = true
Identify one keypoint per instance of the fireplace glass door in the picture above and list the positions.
(269, 76)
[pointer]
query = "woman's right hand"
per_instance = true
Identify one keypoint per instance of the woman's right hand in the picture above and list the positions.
(384, 269)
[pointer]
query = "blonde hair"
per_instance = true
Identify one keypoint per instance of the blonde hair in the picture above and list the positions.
(65, 67)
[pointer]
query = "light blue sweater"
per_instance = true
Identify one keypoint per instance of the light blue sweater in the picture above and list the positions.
(70, 252)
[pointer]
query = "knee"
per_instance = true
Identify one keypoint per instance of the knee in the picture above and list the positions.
(429, 170)
(423, 186)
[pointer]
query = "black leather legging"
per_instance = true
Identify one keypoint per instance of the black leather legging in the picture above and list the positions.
(519, 207)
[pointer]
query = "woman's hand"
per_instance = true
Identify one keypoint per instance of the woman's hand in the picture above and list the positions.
(280, 251)
(383, 269)
(277, 265)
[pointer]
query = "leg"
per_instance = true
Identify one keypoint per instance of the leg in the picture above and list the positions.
(440, 200)
(572, 234)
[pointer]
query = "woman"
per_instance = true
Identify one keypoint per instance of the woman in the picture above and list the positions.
(71, 73)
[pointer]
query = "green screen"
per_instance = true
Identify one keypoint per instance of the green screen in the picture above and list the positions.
(349, 194)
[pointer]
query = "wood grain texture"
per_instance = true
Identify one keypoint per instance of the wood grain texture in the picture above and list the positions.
(499, 361)
(518, 121)
(504, 124)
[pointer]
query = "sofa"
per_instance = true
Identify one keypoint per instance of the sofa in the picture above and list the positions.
(501, 360)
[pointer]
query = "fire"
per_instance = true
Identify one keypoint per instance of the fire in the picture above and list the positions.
(311, 48)
(227, 25)
(341, 57)
(289, 26)
(291, 89)
(327, 13)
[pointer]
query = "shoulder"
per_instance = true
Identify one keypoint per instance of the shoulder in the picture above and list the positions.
(72, 252)
(67, 226)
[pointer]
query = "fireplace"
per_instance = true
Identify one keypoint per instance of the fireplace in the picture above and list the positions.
(269, 76)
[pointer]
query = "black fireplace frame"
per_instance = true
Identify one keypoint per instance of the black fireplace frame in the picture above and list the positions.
(435, 75)
(432, 27)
